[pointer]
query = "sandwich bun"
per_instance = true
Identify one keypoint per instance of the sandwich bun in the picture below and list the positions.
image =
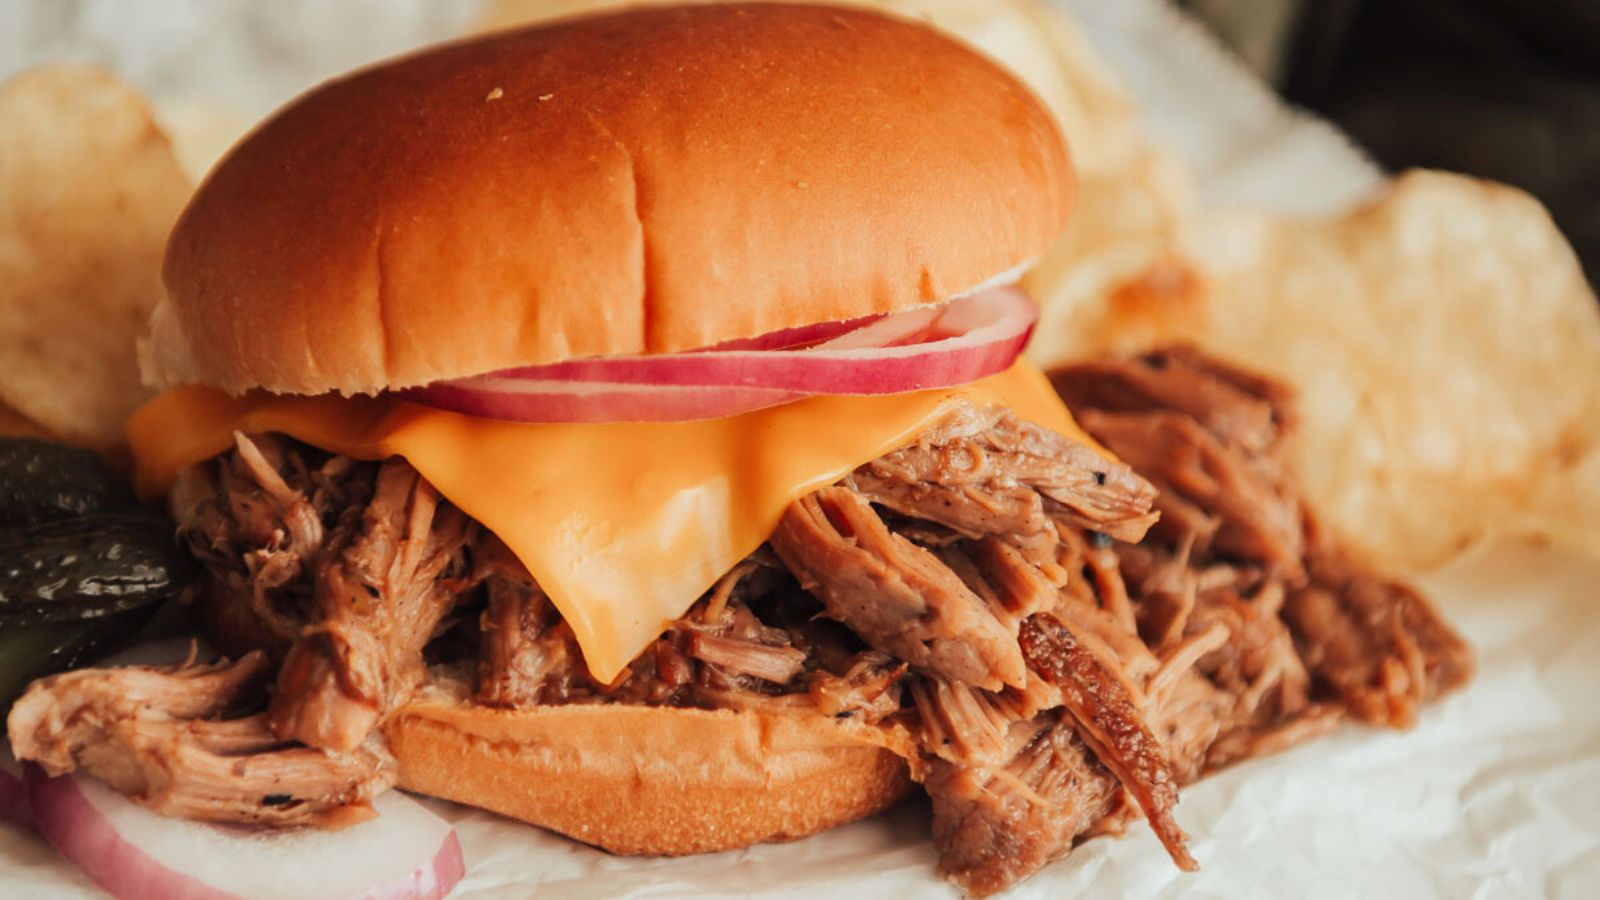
(647, 181)
(649, 781)
(644, 181)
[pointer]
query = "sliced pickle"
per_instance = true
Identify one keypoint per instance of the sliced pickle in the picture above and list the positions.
(34, 651)
(88, 567)
(41, 481)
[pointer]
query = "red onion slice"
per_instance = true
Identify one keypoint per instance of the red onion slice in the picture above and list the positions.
(790, 338)
(910, 327)
(13, 792)
(523, 400)
(964, 340)
(14, 805)
(406, 852)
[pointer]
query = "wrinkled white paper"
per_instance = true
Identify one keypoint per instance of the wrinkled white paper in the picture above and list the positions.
(1495, 793)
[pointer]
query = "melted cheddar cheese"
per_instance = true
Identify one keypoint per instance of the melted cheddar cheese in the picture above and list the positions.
(624, 525)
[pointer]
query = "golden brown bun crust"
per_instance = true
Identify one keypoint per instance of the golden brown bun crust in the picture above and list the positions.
(646, 781)
(646, 181)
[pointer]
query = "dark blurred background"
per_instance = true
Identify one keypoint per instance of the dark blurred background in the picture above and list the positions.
(1506, 89)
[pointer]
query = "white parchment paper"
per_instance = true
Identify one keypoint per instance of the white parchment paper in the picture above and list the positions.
(1496, 792)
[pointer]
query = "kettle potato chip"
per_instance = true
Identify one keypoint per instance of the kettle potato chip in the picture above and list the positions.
(1447, 352)
(88, 190)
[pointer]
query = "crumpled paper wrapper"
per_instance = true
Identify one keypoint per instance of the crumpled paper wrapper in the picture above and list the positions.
(1495, 793)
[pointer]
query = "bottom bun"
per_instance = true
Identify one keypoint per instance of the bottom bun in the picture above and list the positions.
(649, 781)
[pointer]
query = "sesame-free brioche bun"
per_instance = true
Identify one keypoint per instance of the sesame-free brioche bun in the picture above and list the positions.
(649, 781)
(644, 181)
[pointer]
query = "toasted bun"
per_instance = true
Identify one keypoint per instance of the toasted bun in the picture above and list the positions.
(646, 181)
(649, 781)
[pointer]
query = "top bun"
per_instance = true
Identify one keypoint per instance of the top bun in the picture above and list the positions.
(645, 181)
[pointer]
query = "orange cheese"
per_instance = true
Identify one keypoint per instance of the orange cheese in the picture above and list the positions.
(624, 525)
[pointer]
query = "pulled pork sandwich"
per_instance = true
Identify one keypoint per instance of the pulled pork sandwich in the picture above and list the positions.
(619, 425)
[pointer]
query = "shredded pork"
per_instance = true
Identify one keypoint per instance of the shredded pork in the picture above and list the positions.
(161, 736)
(895, 594)
(983, 470)
(722, 654)
(1111, 726)
(383, 584)
(989, 591)
(990, 824)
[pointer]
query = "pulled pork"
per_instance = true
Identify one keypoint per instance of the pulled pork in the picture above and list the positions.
(992, 824)
(984, 591)
(1310, 633)
(159, 736)
(721, 655)
(895, 594)
(343, 570)
(1110, 725)
(383, 583)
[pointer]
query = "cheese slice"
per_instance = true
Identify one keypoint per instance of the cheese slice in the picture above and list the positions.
(624, 525)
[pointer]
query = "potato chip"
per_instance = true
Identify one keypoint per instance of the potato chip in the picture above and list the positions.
(1447, 352)
(1564, 507)
(1119, 260)
(88, 190)
(201, 132)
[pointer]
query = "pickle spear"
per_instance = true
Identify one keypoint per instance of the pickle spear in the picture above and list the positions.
(88, 567)
(29, 652)
(41, 481)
